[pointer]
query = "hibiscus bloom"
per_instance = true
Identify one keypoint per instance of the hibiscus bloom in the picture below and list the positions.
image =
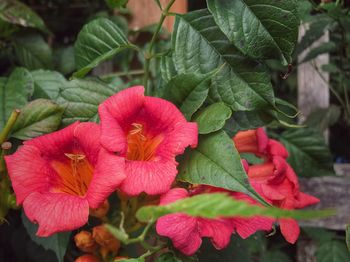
(59, 176)
(149, 132)
(274, 180)
(186, 232)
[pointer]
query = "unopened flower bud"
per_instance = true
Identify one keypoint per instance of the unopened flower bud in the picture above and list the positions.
(87, 258)
(105, 239)
(101, 211)
(85, 242)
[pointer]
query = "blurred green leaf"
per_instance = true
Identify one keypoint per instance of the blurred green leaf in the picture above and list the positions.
(216, 205)
(98, 41)
(332, 251)
(319, 50)
(275, 256)
(347, 232)
(33, 52)
(212, 118)
(14, 92)
(263, 29)
(64, 60)
(322, 118)
(15, 12)
(116, 3)
(37, 118)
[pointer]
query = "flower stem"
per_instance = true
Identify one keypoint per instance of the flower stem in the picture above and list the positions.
(148, 54)
(9, 125)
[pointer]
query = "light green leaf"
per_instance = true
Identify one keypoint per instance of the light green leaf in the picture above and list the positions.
(308, 153)
(47, 83)
(33, 52)
(262, 29)
(200, 47)
(80, 99)
(98, 41)
(188, 92)
(216, 162)
(212, 118)
(333, 251)
(222, 205)
(39, 117)
(58, 242)
(14, 92)
(17, 13)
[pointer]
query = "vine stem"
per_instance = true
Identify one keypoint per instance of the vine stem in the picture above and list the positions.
(9, 125)
(148, 54)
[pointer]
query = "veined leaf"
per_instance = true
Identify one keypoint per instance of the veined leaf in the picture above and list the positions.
(47, 83)
(80, 99)
(200, 47)
(333, 251)
(14, 93)
(221, 205)
(216, 162)
(38, 117)
(212, 118)
(188, 92)
(15, 12)
(308, 153)
(58, 242)
(262, 29)
(33, 52)
(98, 41)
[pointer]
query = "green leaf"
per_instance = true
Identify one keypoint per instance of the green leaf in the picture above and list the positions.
(322, 118)
(308, 153)
(81, 98)
(212, 118)
(188, 92)
(58, 242)
(167, 68)
(262, 29)
(200, 47)
(17, 13)
(33, 52)
(167, 257)
(221, 205)
(14, 93)
(275, 256)
(64, 59)
(98, 41)
(319, 50)
(319, 235)
(116, 3)
(333, 251)
(47, 83)
(216, 162)
(39, 117)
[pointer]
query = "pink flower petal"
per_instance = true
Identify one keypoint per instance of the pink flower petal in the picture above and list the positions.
(275, 148)
(172, 195)
(304, 200)
(21, 167)
(56, 212)
(271, 193)
(218, 230)
(289, 229)
(246, 227)
(108, 175)
(151, 177)
(182, 230)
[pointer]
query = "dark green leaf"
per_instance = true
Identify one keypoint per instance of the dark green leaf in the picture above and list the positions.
(212, 118)
(262, 29)
(319, 50)
(14, 93)
(80, 99)
(275, 256)
(308, 153)
(167, 257)
(47, 83)
(57, 242)
(333, 251)
(221, 205)
(347, 232)
(64, 60)
(116, 3)
(39, 117)
(216, 162)
(98, 41)
(200, 47)
(322, 118)
(33, 52)
(15, 12)
(167, 68)
(319, 235)
(188, 92)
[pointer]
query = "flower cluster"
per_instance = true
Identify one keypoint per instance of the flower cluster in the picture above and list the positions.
(63, 177)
